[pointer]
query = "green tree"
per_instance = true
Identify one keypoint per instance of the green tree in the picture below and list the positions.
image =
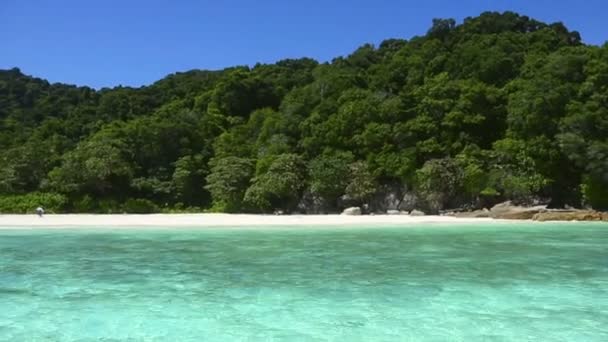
(189, 180)
(362, 184)
(329, 175)
(438, 182)
(97, 166)
(227, 182)
(280, 187)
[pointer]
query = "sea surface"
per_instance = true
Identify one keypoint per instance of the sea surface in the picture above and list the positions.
(482, 282)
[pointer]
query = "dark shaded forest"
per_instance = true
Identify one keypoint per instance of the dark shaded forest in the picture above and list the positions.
(500, 107)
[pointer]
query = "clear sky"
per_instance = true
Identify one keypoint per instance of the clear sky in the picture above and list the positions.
(135, 42)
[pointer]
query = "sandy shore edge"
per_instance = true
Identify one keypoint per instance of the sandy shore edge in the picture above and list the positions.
(219, 220)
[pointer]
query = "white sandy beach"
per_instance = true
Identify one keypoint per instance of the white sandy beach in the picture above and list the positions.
(218, 220)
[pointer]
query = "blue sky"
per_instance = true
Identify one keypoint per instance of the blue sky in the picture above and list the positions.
(135, 42)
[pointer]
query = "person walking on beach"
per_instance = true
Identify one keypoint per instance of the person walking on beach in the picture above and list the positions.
(40, 211)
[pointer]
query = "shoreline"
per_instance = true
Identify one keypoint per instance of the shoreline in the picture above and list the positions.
(127, 221)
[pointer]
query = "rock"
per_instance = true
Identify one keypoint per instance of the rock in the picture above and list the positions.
(508, 211)
(365, 208)
(396, 212)
(417, 213)
(517, 215)
(312, 204)
(345, 201)
(409, 202)
(352, 211)
(502, 207)
(575, 215)
(472, 214)
(388, 197)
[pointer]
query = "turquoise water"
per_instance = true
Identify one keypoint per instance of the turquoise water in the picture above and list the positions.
(543, 282)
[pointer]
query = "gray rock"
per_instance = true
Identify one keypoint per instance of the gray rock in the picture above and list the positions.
(502, 207)
(345, 201)
(417, 213)
(365, 208)
(312, 204)
(352, 211)
(397, 212)
(507, 210)
(409, 202)
(388, 197)
(472, 214)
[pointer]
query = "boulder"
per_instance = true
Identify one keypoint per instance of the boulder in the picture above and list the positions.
(352, 211)
(388, 197)
(503, 207)
(517, 215)
(408, 202)
(312, 204)
(417, 213)
(508, 211)
(472, 214)
(346, 201)
(396, 212)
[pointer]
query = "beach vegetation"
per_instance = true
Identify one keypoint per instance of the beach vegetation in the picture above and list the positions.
(27, 203)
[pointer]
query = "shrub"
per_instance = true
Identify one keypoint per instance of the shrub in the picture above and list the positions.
(140, 206)
(23, 204)
(85, 204)
(108, 206)
(595, 193)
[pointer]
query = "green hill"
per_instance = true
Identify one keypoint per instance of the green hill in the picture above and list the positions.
(499, 107)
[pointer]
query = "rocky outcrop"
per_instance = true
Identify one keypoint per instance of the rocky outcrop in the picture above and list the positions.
(352, 211)
(503, 207)
(387, 198)
(472, 214)
(508, 211)
(398, 201)
(394, 196)
(571, 215)
(409, 202)
(346, 201)
(312, 204)
(517, 215)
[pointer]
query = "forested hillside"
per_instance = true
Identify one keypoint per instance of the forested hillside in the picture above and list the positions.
(499, 107)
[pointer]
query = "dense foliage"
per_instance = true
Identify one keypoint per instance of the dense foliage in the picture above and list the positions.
(499, 107)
